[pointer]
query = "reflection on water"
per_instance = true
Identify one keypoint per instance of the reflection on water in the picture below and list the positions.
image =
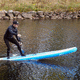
(40, 36)
(77, 75)
(34, 70)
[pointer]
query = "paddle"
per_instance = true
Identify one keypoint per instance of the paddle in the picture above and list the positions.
(19, 35)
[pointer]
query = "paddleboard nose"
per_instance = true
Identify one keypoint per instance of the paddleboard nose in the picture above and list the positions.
(75, 49)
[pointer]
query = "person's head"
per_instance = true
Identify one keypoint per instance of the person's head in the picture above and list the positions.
(15, 24)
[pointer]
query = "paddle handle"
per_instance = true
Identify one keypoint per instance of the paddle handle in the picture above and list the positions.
(22, 50)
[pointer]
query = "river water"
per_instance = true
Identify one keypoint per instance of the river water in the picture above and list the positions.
(42, 36)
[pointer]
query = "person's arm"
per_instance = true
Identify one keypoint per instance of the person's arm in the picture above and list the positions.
(11, 32)
(17, 37)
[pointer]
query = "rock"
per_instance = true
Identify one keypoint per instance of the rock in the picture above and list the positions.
(15, 13)
(68, 17)
(62, 15)
(46, 15)
(10, 14)
(35, 18)
(78, 15)
(75, 15)
(53, 17)
(10, 11)
(19, 16)
(51, 12)
(32, 12)
(26, 15)
(7, 15)
(78, 12)
(2, 14)
(5, 18)
(50, 15)
(59, 17)
(40, 14)
(71, 15)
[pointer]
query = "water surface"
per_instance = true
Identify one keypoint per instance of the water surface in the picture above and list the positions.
(42, 36)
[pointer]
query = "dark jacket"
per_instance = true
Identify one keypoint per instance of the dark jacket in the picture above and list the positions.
(10, 32)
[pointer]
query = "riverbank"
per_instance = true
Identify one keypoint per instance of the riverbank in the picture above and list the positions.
(40, 5)
(39, 9)
(33, 15)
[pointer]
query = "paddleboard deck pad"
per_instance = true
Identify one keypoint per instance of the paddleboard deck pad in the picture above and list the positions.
(42, 55)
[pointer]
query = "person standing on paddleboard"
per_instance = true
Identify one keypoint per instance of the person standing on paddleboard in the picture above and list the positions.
(8, 37)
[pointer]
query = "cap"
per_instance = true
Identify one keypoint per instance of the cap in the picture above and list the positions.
(15, 22)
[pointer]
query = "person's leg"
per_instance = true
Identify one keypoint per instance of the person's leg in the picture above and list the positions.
(14, 41)
(8, 47)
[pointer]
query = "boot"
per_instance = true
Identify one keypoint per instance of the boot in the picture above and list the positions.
(8, 57)
(22, 55)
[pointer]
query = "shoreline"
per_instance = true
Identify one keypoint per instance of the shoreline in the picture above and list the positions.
(35, 15)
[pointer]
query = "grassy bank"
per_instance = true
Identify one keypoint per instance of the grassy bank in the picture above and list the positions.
(40, 5)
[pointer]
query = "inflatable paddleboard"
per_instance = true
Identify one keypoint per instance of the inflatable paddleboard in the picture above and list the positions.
(42, 55)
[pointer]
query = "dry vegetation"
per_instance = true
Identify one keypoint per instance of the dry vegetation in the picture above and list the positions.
(36, 5)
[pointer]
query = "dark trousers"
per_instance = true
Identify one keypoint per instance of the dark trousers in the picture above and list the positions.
(14, 41)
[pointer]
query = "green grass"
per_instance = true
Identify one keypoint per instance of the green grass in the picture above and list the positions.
(39, 5)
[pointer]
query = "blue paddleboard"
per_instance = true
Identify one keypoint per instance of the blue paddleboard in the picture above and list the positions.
(42, 55)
